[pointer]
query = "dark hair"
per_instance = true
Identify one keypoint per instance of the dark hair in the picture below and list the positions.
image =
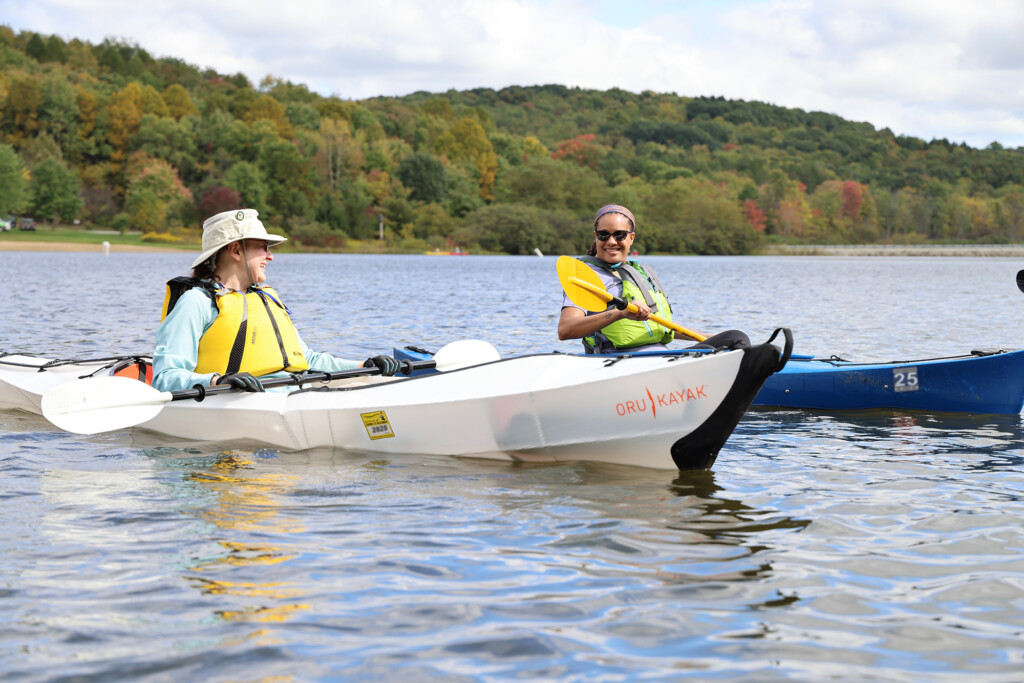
(205, 270)
(592, 250)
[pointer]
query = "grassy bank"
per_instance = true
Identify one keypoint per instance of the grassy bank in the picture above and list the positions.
(73, 235)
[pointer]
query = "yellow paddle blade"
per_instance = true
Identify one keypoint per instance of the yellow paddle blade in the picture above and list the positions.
(574, 276)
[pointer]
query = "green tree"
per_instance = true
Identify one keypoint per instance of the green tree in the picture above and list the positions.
(172, 140)
(58, 107)
(424, 176)
(290, 179)
(330, 212)
(695, 216)
(553, 185)
(55, 50)
(14, 182)
(55, 192)
(36, 48)
(246, 179)
(302, 115)
(516, 228)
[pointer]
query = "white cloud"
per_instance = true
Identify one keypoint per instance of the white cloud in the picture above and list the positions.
(929, 68)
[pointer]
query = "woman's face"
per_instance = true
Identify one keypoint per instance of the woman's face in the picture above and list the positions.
(244, 261)
(259, 254)
(613, 249)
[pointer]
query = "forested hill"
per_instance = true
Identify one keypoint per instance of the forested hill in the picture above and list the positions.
(113, 136)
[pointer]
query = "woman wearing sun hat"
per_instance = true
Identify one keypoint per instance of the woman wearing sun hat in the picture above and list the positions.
(222, 325)
(614, 330)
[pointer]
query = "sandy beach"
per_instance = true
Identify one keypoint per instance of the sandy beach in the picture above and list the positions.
(75, 246)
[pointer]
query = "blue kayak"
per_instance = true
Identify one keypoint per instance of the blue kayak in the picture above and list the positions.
(983, 381)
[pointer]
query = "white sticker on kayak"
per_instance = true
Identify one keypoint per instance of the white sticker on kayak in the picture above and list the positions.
(905, 379)
(377, 425)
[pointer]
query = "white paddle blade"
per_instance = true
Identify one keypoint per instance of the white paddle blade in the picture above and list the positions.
(102, 404)
(464, 353)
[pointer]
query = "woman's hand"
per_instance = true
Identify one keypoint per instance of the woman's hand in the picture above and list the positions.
(387, 365)
(643, 312)
(241, 380)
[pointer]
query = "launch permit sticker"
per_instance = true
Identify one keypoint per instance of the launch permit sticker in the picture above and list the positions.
(377, 425)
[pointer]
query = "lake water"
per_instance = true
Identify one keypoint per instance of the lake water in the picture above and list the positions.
(850, 547)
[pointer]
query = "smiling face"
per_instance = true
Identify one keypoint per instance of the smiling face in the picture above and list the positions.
(259, 254)
(613, 250)
(243, 263)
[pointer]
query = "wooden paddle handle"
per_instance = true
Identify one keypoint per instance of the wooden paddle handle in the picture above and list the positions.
(632, 308)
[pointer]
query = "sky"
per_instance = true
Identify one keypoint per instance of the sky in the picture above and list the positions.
(926, 68)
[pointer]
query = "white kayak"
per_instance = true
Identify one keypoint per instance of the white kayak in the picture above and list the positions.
(24, 379)
(652, 411)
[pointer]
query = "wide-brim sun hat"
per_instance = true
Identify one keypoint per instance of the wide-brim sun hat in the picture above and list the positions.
(230, 226)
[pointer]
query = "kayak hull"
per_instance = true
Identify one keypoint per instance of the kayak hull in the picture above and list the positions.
(984, 382)
(660, 412)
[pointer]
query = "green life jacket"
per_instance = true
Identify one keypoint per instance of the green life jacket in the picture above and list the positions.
(637, 285)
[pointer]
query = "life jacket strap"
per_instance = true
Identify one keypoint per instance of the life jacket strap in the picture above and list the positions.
(636, 277)
(238, 347)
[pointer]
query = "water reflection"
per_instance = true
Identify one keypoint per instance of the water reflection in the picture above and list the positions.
(243, 501)
(962, 440)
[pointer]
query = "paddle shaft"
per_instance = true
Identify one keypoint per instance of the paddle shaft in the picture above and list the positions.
(632, 308)
(199, 393)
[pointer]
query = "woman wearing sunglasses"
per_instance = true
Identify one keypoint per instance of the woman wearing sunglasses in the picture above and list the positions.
(613, 330)
(222, 325)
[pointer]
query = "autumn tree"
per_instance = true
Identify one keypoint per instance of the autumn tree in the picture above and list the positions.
(21, 111)
(342, 154)
(178, 101)
(153, 102)
(217, 199)
(266, 107)
(124, 111)
(467, 141)
(155, 199)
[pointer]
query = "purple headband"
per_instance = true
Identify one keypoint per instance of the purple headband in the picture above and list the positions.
(614, 208)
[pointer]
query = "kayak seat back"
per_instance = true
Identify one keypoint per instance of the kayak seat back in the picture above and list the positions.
(134, 368)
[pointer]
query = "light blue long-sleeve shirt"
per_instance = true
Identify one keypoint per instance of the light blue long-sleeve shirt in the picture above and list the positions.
(177, 347)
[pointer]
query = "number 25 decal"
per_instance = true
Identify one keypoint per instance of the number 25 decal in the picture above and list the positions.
(905, 379)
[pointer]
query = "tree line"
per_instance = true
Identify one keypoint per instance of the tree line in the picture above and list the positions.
(112, 136)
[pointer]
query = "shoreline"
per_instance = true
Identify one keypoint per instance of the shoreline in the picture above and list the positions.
(901, 250)
(892, 250)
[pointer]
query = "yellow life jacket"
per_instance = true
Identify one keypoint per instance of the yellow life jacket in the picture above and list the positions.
(251, 333)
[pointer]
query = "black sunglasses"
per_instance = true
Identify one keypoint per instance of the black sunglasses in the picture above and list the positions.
(603, 235)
